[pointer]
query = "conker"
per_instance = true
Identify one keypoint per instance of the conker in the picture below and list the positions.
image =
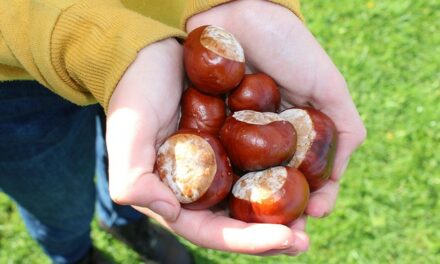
(213, 59)
(278, 195)
(256, 141)
(257, 92)
(316, 144)
(202, 112)
(196, 168)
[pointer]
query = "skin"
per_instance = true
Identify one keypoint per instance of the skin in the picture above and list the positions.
(143, 111)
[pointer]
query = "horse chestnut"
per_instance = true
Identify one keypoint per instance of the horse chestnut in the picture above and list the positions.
(256, 141)
(257, 92)
(195, 167)
(213, 59)
(278, 195)
(316, 144)
(202, 112)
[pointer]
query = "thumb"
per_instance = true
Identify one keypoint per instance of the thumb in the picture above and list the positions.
(132, 155)
(147, 191)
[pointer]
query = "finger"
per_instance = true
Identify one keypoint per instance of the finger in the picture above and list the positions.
(218, 232)
(291, 251)
(348, 142)
(277, 252)
(299, 224)
(322, 201)
(337, 103)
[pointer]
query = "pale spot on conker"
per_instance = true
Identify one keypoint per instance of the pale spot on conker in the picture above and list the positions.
(305, 131)
(256, 118)
(260, 185)
(187, 164)
(222, 43)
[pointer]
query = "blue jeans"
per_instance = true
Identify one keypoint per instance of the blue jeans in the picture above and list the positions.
(50, 151)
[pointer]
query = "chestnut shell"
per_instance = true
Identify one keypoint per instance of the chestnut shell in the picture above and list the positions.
(317, 165)
(202, 112)
(283, 207)
(252, 147)
(210, 72)
(257, 92)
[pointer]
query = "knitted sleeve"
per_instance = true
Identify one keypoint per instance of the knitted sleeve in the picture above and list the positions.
(193, 7)
(78, 49)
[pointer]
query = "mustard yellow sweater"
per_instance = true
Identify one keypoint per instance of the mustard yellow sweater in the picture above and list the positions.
(80, 48)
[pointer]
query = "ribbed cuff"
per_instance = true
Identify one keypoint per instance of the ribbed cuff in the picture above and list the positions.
(92, 46)
(292, 5)
(194, 7)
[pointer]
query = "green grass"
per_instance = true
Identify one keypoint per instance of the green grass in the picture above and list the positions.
(388, 209)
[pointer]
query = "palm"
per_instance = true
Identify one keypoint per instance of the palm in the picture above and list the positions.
(140, 117)
(277, 43)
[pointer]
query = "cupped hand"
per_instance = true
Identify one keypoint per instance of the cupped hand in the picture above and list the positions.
(143, 111)
(278, 43)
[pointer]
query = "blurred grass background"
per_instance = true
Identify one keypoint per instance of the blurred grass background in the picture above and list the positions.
(388, 210)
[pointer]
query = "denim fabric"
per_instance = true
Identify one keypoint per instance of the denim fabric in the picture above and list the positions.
(47, 166)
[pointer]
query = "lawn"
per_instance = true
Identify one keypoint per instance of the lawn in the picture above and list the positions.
(388, 209)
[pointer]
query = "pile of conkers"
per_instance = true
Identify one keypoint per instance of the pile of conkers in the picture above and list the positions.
(231, 126)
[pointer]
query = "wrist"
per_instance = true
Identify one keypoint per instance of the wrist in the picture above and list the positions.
(241, 16)
(230, 15)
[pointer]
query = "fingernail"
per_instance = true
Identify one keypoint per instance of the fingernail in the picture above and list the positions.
(286, 244)
(164, 209)
(297, 245)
